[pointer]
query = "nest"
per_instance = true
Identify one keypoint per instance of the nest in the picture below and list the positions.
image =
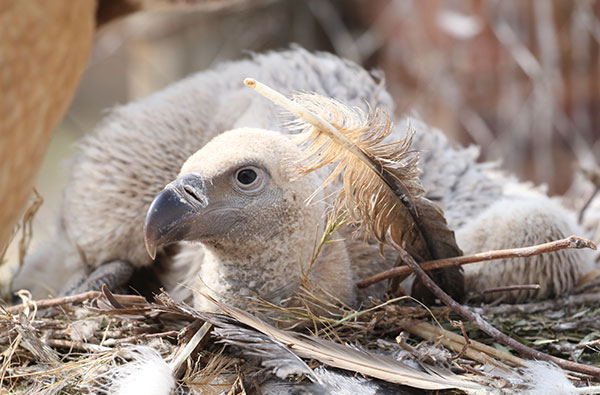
(79, 344)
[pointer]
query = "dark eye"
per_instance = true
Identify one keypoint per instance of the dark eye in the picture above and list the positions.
(246, 176)
(249, 179)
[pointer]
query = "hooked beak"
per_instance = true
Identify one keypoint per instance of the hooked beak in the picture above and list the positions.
(174, 212)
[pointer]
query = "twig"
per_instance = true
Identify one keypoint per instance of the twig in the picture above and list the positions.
(477, 351)
(27, 225)
(467, 340)
(593, 176)
(569, 242)
(397, 328)
(508, 288)
(496, 302)
(75, 345)
(143, 336)
(572, 347)
(529, 308)
(586, 204)
(578, 324)
(511, 288)
(482, 324)
(475, 345)
(7, 358)
(594, 343)
(46, 303)
(71, 299)
(185, 351)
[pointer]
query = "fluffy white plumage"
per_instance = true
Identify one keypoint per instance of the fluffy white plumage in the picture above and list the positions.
(147, 374)
(547, 378)
(539, 377)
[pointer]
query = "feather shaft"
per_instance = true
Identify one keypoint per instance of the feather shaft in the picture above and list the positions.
(190, 346)
(319, 123)
(344, 357)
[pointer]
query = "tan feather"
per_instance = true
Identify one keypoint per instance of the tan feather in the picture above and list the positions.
(382, 191)
(383, 367)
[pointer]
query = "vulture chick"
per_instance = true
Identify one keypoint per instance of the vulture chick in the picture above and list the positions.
(240, 198)
(141, 147)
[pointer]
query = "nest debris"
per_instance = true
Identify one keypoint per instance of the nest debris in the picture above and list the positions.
(71, 345)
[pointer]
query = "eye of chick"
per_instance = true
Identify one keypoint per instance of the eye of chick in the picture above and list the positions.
(246, 176)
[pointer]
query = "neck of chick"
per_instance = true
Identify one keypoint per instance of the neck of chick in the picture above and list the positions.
(273, 264)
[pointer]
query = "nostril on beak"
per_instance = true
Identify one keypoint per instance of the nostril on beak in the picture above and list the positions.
(190, 187)
(191, 192)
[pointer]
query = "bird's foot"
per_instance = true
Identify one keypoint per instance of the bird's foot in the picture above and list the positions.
(115, 275)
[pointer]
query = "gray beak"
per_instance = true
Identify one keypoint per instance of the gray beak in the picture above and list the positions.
(175, 212)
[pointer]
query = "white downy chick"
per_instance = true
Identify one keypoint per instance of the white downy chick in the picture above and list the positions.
(240, 197)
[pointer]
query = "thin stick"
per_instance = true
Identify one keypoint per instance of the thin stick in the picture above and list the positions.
(511, 288)
(572, 347)
(530, 308)
(570, 242)
(71, 299)
(588, 390)
(477, 351)
(508, 288)
(75, 345)
(46, 303)
(143, 336)
(586, 204)
(467, 341)
(475, 345)
(185, 352)
(593, 176)
(482, 324)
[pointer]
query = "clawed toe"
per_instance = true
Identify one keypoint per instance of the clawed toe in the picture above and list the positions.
(115, 275)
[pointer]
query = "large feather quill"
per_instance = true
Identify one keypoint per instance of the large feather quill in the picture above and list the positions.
(383, 367)
(281, 349)
(381, 188)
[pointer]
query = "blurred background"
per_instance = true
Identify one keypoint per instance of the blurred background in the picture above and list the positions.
(520, 78)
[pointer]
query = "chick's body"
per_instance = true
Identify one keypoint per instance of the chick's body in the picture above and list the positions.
(142, 146)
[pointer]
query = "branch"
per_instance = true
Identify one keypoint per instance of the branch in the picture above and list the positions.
(570, 242)
(508, 288)
(529, 308)
(586, 205)
(71, 299)
(482, 324)
(593, 176)
(76, 345)
(476, 351)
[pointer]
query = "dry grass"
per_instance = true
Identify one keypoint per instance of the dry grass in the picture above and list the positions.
(69, 348)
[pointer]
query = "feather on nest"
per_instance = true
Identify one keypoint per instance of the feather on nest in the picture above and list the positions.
(383, 367)
(94, 365)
